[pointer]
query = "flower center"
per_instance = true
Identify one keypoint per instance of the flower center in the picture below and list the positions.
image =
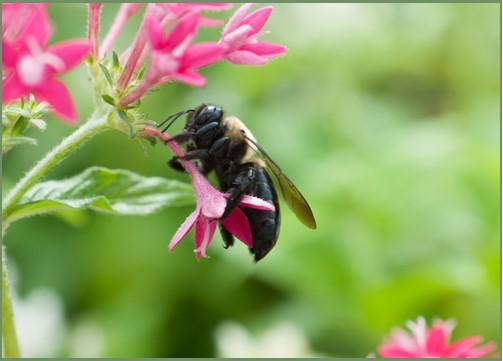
(166, 63)
(31, 70)
(32, 67)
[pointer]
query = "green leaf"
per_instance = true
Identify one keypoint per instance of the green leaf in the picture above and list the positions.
(108, 99)
(104, 190)
(115, 60)
(10, 142)
(107, 74)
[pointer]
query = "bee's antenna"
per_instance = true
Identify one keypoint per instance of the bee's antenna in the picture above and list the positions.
(171, 119)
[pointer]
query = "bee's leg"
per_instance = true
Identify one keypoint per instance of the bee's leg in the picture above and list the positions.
(180, 137)
(207, 133)
(195, 154)
(227, 237)
(241, 186)
(175, 164)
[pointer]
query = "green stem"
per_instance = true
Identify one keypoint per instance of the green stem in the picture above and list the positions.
(97, 124)
(11, 348)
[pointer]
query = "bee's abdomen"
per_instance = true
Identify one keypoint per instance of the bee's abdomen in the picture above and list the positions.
(264, 224)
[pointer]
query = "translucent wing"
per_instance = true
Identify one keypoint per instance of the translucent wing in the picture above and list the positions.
(292, 196)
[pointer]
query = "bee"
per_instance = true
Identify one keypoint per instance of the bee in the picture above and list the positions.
(225, 145)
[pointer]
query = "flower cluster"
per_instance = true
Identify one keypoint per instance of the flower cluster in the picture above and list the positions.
(175, 57)
(165, 43)
(433, 342)
(210, 206)
(30, 65)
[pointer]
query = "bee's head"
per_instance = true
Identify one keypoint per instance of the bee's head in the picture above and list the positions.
(202, 115)
(196, 118)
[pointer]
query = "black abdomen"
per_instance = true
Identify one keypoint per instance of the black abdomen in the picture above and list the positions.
(264, 224)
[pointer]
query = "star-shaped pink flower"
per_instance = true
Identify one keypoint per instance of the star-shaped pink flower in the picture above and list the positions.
(434, 342)
(174, 56)
(32, 67)
(240, 37)
(210, 206)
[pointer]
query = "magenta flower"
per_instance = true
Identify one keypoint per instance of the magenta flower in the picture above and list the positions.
(240, 37)
(174, 57)
(32, 67)
(175, 10)
(210, 205)
(433, 342)
(20, 22)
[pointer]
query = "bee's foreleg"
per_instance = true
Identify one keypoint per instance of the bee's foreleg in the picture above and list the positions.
(180, 137)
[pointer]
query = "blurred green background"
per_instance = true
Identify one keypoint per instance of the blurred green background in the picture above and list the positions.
(385, 116)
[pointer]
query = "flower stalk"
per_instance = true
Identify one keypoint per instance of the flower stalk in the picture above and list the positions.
(10, 343)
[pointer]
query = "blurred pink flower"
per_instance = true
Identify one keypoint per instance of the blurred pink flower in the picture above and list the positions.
(174, 57)
(434, 342)
(31, 67)
(20, 22)
(210, 205)
(240, 37)
(179, 9)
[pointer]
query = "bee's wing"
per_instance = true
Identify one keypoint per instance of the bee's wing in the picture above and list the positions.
(292, 196)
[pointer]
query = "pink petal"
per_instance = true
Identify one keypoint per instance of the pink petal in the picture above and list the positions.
(258, 18)
(186, 27)
(205, 230)
(393, 351)
(235, 39)
(57, 95)
(246, 57)
(237, 223)
(213, 6)
(12, 89)
(72, 53)
(37, 25)
(264, 48)
(190, 78)
(155, 34)
(486, 350)
(236, 19)
(9, 55)
(461, 347)
(202, 54)
(436, 339)
(183, 229)
(256, 203)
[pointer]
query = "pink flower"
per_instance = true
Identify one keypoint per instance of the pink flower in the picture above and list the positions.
(20, 22)
(240, 37)
(210, 205)
(433, 342)
(32, 67)
(174, 57)
(179, 9)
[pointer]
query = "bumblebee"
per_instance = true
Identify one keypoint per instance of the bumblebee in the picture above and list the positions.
(225, 145)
